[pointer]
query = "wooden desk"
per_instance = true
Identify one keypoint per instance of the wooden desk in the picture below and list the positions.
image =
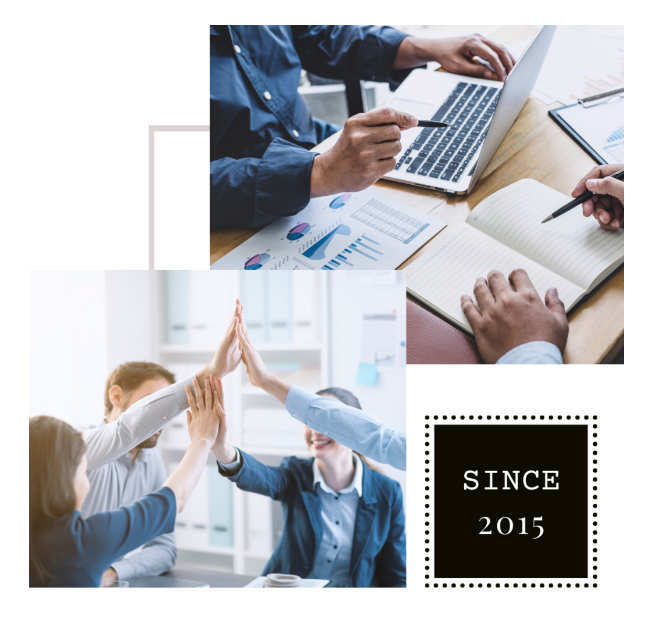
(534, 147)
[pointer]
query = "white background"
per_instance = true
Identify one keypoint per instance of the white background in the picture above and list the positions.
(81, 82)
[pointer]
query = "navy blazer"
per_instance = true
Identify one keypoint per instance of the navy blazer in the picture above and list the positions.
(378, 548)
(261, 128)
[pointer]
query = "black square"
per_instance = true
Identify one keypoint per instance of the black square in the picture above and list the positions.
(514, 548)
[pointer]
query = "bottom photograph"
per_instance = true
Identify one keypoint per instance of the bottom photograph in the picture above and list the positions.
(217, 429)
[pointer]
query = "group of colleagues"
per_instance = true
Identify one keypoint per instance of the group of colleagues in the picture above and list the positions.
(262, 168)
(103, 510)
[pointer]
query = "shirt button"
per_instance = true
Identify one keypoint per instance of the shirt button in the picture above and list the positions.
(334, 546)
(329, 561)
(295, 133)
(237, 49)
(337, 522)
(267, 95)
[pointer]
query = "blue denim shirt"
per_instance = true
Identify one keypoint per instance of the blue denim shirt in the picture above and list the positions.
(261, 129)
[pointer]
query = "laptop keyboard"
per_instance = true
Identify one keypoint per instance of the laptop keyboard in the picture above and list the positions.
(445, 153)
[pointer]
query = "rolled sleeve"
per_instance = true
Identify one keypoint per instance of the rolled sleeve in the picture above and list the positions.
(537, 352)
(349, 52)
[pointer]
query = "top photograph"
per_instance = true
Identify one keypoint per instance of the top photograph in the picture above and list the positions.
(484, 162)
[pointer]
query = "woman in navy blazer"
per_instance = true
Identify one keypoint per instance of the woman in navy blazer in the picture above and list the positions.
(367, 528)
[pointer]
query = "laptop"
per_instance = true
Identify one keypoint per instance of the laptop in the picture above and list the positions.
(479, 114)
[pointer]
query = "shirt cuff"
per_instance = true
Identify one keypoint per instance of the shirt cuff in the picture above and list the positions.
(124, 570)
(229, 469)
(537, 352)
(283, 182)
(298, 403)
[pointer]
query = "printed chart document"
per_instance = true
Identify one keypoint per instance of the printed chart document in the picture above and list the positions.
(601, 126)
(362, 230)
(504, 232)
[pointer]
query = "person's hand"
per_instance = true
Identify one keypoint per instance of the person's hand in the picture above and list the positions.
(202, 415)
(509, 313)
(258, 375)
(223, 450)
(607, 204)
(364, 152)
(228, 354)
(109, 578)
(458, 55)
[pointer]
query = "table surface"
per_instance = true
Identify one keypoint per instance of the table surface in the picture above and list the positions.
(215, 579)
(537, 148)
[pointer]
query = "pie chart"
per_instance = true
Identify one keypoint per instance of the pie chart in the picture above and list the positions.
(339, 201)
(298, 231)
(256, 261)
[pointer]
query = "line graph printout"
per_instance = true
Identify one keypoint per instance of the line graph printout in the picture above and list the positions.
(362, 230)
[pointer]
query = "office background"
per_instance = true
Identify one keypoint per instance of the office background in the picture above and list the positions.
(314, 328)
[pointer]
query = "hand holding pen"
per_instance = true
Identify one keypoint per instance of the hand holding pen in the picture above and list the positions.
(600, 192)
(607, 203)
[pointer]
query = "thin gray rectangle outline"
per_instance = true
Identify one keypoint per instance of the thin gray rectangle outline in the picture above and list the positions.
(152, 130)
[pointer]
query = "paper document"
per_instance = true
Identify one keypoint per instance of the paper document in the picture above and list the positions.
(581, 61)
(362, 230)
(601, 126)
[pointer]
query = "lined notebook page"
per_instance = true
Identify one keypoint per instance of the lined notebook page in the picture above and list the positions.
(463, 254)
(573, 246)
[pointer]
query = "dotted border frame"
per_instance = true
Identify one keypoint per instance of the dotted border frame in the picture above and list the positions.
(513, 584)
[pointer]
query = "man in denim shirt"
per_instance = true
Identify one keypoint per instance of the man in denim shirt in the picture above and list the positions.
(261, 129)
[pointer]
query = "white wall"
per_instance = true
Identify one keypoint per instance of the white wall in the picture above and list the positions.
(352, 295)
(68, 345)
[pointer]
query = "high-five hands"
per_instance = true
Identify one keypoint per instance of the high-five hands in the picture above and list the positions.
(228, 354)
(205, 405)
(258, 374)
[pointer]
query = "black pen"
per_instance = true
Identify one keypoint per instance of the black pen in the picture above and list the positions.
(432, 124)
(579, 200)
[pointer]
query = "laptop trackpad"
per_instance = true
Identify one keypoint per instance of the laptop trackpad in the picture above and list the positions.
(419, 109)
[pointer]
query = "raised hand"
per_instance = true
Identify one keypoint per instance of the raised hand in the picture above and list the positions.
(202, 415)
(228, 354)
(258, 375)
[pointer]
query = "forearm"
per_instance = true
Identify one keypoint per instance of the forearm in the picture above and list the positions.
(412, 52)
(348, 426)
(225, 453)
(185, 477)
(276, 387)
(144, 418)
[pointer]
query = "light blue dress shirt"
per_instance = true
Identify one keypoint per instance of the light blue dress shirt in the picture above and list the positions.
(537, 352)
(338, 513)
(348, 425)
